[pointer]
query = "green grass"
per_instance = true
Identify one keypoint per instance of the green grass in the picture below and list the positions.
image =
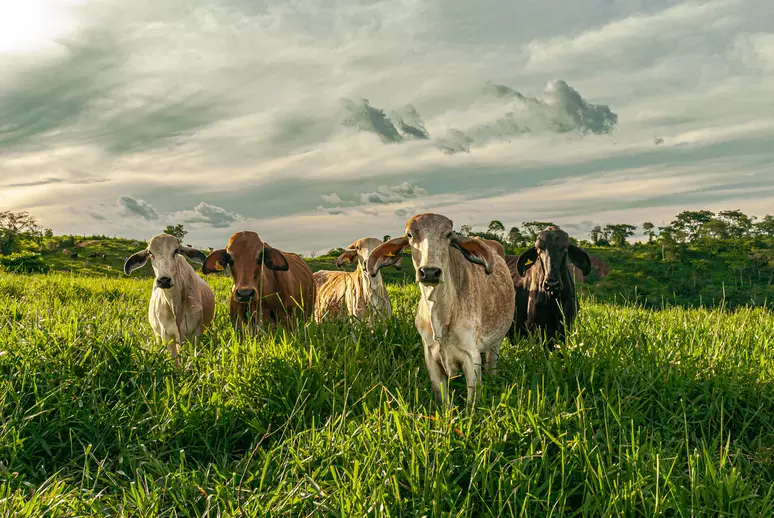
(647, 413)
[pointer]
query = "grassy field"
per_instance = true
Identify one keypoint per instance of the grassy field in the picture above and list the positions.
(646, 413)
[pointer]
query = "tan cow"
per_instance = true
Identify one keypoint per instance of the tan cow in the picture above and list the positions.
(270, 287)
(467, 299)
(357, 294)
(182, 304)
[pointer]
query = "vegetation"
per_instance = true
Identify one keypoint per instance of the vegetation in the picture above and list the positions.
(176, 230)
(666, 412)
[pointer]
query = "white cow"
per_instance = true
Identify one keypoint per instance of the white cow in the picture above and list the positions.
(182, 303)
(467, 299)
(356, 294)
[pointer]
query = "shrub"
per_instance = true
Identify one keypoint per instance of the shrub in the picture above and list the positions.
(24, 262)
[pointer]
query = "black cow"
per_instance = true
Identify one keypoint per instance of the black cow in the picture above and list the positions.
(545, 292)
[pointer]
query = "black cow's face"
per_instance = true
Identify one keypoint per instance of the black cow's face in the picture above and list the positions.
(552, 250)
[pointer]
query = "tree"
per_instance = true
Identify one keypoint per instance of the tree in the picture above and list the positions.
(496, 227)
(690, 221)
(618, 233)
(515, 237)
(176, 230)
(765, 226)
(48, 233)
(738, 223)
(596, 235)
(534, 228)
(648, 229)
(465, 230)
(14, 225)
(313, 253)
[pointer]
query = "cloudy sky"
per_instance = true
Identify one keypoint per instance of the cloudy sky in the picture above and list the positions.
(317, 122)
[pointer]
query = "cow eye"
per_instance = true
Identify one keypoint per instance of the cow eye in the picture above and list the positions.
(408, 235)
(449, 235)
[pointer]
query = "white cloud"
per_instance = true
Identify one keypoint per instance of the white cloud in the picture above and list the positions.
(138, 207)
(331, 198)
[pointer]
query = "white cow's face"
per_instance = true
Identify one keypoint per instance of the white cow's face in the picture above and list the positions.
(359, 251)
(430, 238)
(167, 256)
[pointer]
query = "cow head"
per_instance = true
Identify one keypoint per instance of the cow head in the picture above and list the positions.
(552, 250)
(167, 257)
(359, 251)
(247, 255)
(431, 238)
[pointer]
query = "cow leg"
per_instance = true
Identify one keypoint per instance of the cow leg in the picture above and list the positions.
(174, 349)
(438, 379)
(492, 355)
(472, 370)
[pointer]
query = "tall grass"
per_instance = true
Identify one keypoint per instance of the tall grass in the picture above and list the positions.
(645, 413)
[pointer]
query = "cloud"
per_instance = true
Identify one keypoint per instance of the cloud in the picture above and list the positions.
(331, 210)
(210, 215)
(331, 198)
(364, 117)
(410, 124)
(455, 142)
(397, 193)
(138, 207)
(562, 109)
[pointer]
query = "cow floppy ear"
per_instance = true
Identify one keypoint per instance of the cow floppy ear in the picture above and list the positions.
(273, 259)
(216, 261)
(347, 256)
(137, 260)
(475, 250)
(193, 254)
(387, 254)
(526, 260)
(580, 259)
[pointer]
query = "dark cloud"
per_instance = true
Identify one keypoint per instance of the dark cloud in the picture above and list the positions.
(658, 141)
(561, 108)
(365, 117)
(397, 193)
(332, 210)
(52, 180)
(455, 142)
(410, 124)
(138, 207)
(212, 215)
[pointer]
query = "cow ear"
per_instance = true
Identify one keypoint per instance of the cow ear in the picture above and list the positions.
(193, 254)
(273, 259)
(216, 261)
(137, 260)
(526, 260)
(475, 250)
(347, 256)
(580, 259)
(387, 254)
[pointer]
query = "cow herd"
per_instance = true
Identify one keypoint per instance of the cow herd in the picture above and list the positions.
(471, 293)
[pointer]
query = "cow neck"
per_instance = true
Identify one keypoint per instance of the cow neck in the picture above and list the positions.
(441, 302)
(372, 287)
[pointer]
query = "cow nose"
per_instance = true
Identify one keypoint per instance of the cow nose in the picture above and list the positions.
(245, 295)
(552, 286)
(429, 275)
(164, 282)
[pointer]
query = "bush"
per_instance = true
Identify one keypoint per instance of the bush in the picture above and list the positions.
(24, 262)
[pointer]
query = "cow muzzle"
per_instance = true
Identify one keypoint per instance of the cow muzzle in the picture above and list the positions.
(429, 275)
(244, 295)
(164, 283)
(552, 287)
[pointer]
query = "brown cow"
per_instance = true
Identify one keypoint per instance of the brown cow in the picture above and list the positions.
(466, 303)
(545, 292)
(270, 287)
(356, 294)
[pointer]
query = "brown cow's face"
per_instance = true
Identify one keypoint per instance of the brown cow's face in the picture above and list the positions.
(246, 254)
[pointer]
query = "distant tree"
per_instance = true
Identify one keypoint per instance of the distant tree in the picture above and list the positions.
(738, 223)
(14, 225)
(335, 251)
(596, 235)
(515, 238)
(715, 228)
(48, 233)
(618, 233)
(386, 237)
(465, 230)
(690, 221)
(533, 228)
(496, 227)
(649, 229)
(313, 253)
(176, 230)
(765, 226)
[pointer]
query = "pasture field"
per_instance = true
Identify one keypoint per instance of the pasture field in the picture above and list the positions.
(647, 412)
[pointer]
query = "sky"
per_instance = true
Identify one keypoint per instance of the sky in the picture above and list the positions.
(317, 122)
